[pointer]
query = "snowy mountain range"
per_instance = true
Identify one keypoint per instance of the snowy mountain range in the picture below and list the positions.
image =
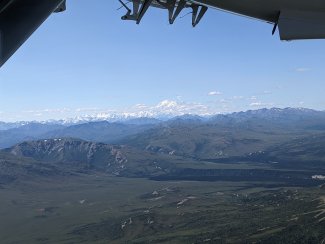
(155, 117)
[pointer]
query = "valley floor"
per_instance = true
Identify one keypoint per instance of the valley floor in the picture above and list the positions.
(103, 209)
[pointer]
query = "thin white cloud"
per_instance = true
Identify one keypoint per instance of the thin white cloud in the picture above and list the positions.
(302, 69)
(214, 93)
(260, 104)
(87, 109)
(267, 92)
(256, 104)
(238, 97)
(141, 106)
(47, 110)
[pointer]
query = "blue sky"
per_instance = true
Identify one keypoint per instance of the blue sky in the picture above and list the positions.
(88, 61)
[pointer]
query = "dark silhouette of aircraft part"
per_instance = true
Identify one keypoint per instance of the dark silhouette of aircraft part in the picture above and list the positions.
(197, 16)
(276, 24)
(19, 19)
(180, 6)
(174, 8)
(294, 19)
(144, 7)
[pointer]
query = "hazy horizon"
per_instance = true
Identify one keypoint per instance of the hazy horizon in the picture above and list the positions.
(167, 112)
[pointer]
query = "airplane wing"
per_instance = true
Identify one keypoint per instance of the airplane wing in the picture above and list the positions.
(294, 25)
(19, 19)
(296, 19)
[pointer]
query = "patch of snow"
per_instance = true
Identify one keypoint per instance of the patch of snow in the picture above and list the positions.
(318, 177)
(150, 222)
(182, 202)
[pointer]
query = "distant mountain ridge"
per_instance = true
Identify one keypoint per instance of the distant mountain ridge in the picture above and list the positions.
(156, 118)
(273, 114)
(99, 131)
(126, 130)
(187, 146)
(26, 132)
(231, 135)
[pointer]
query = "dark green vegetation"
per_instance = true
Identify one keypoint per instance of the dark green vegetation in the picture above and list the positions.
(103, 209)
(255, 177)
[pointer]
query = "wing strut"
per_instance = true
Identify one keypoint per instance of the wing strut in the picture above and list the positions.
(174, 8)
(171, 8)
(276, 23)
(128, 15)
(181, 5)
(197, 16)
(144, 7)
(136, 6)
(138, 12)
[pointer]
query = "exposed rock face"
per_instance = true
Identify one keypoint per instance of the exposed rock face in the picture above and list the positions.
(73, 152)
